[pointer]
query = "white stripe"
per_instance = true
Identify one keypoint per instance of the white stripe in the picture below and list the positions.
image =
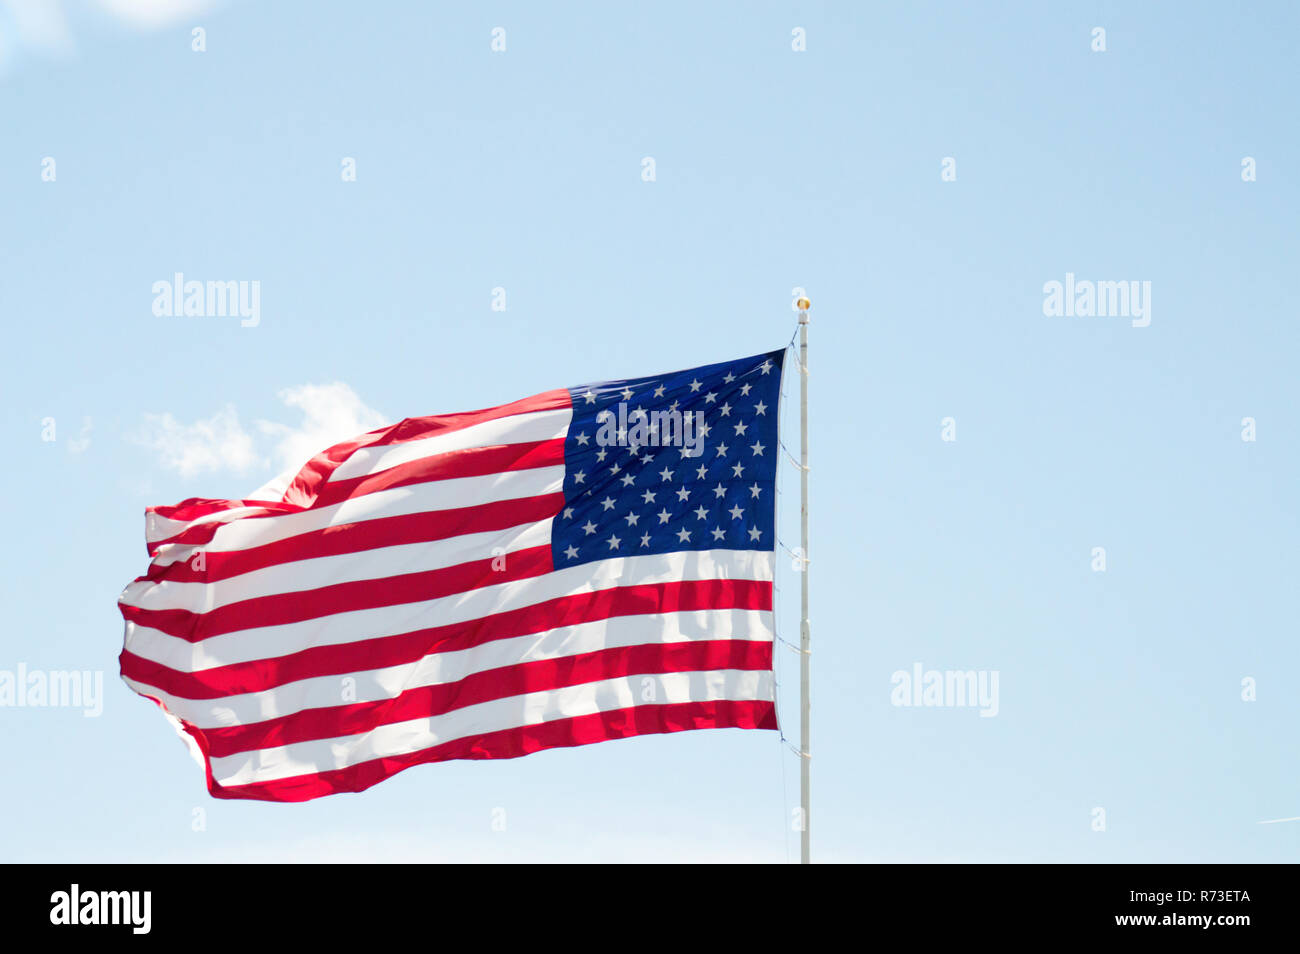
(157, 527)
(304, 758)
(376, 564)
(323, 692)
(267, 642)
(425, 497)
(515, 429)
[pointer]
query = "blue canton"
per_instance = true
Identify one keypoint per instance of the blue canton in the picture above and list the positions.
(623, 498)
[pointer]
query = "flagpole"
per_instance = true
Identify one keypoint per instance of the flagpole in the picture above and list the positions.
(805, 635)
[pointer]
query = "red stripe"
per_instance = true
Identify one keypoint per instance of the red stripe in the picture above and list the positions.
(513, 743)
(418, 428)
(203, 532)
(363, 535)
(282, 608)
(197, 507)
(470, 462)
(536, 676)
(303, 491)
(381, 652)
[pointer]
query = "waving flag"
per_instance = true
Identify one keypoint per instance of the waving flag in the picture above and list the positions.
(582, 565)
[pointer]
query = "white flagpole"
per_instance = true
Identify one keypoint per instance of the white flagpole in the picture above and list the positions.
(805, 635)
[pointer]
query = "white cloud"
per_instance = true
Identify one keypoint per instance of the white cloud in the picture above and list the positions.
(80, 443)
(52, 27)
(41, 24)
(217, 443)
(151, 14)
(331, 413)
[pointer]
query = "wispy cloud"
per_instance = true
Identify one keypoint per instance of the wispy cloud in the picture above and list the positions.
(40, 24)
(52, 27)
(80, 443)
(330, 413)
(213, 444)
(152, 14)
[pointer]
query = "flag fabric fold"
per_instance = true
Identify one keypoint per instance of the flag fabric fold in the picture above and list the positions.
(587, 564)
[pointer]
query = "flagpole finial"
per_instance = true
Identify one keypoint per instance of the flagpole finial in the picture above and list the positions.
(803, 304)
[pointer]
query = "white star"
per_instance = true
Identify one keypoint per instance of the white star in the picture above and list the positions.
(582, 439)
(755, 490)
(579, 477)
(722, 450)
(719, 491)
(739, 469)
(666, 474)
(659, 391)
(568, 512)
(766, 367)
(648, 496)
(684, 535)
(725, 410)
(736, 512)
(628, 480)
(755, 533)
(745, 389)
(729, 378)
(608, 503)
(760, 408)
(589, 528)
(663, 515)
(757, 448)
(741, 427)
(718, 534)
(627, 394)
(571, 553)
(613, 542)
(701, 512)
(683, 493)
(600, 455)
(631, 519)
(701, 473)
(615, 469)
(710, 398)
(645, 540)
(695, 386)
(704, 430)
(591, 398)
(607, 413)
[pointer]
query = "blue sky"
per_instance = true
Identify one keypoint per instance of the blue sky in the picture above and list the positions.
(774, 169)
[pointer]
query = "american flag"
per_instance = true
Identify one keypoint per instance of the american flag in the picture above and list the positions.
(583, 565)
